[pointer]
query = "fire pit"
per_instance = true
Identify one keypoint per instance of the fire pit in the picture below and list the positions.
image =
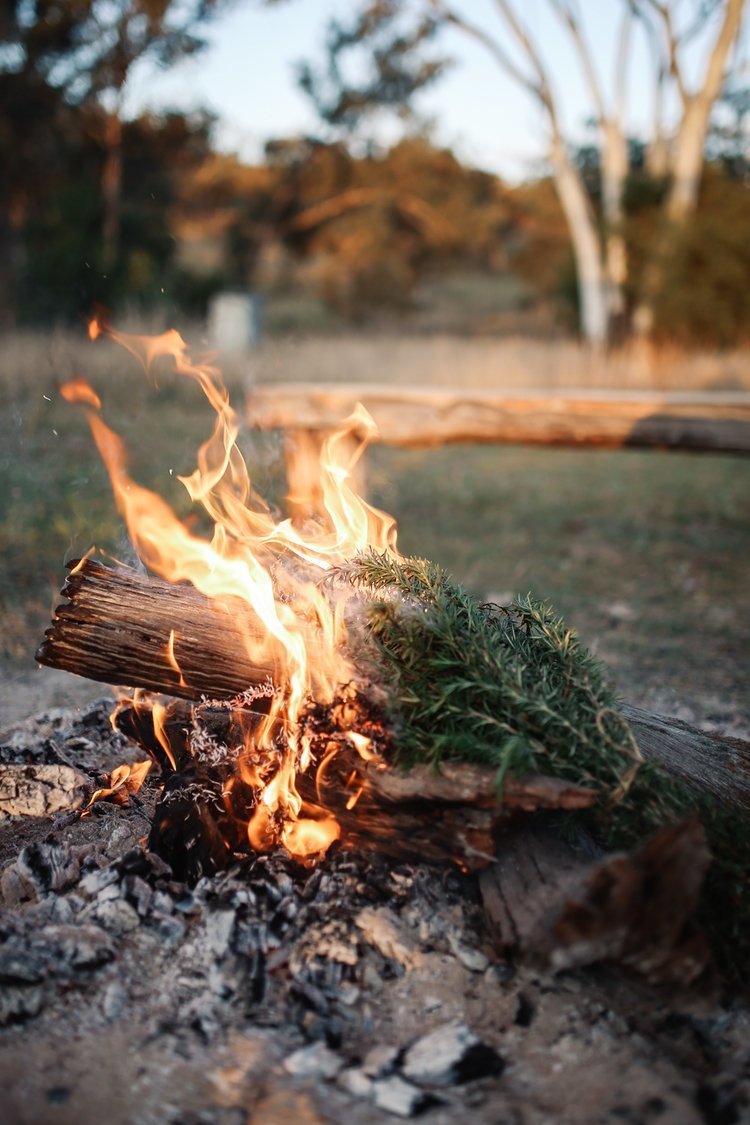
(363, 793)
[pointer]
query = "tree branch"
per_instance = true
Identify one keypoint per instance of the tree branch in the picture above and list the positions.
(569, 19)
(621, 68)
(490, 44)
(535, 59)
(673, 43)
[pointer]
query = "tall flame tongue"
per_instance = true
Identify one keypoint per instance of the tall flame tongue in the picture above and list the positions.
(298, 620)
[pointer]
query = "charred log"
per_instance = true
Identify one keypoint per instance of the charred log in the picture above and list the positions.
(446, 815)
(560, 908)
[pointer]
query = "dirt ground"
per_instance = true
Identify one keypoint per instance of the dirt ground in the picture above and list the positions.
(276, 995)
(26, 691)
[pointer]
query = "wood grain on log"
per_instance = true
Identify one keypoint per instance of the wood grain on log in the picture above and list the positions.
(562, 909)
(710, 763)
(430, 416)
(116, 629)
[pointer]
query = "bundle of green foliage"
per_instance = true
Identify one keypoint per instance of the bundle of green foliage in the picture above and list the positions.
(512, 687)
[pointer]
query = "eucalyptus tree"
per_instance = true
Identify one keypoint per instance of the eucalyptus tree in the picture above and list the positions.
(400, 39)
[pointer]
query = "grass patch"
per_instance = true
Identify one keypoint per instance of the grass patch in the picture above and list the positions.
(644, 553)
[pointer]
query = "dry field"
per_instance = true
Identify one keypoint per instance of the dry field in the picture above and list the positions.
(645, 553)
(513, 363)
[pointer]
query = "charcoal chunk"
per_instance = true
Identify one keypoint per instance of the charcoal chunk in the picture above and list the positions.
(315, 1061)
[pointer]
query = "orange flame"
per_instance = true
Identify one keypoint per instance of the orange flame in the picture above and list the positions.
(123, 781)
(288, 616)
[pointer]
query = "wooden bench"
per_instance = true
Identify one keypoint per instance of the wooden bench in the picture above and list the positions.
(431, 416)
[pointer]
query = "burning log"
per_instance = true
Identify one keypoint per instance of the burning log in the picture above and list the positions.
(122, 627)
(199, 828)
(553, 905)
(117, 625)
(445, 815)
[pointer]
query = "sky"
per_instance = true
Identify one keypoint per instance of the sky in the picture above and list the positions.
(247, 77)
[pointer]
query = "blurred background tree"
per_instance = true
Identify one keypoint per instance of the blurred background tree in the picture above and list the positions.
(397, 38)
(614, 232)
(63, 72)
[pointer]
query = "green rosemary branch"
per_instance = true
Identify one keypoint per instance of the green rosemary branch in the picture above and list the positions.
(512, 687)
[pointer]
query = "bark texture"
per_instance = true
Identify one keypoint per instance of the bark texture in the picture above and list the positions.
(430, 416)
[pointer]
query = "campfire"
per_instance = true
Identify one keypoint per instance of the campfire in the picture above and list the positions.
(333, 778)
(262, 658)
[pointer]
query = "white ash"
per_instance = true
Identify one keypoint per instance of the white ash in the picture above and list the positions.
(207, 749)
(262, 983)
(40, 789)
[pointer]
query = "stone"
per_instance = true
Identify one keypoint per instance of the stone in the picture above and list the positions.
(39, 869)
(115, 915)
(114, 1001)
(77, 947)
(396, 1096)
(380, 928)
(219, 926)
(354, 1081)
(380, 1060)
(94, 882)
(315, 1061)
(449, 1055)
(18, 1003)
(472, 959)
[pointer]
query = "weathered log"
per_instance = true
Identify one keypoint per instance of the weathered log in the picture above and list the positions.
(117, 625)
(709, 762)
(426, 416)
(561, 909)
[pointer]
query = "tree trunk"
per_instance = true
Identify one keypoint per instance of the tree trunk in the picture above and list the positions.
(592, 280)
(691, 138)
(111, 189)
(614, 174)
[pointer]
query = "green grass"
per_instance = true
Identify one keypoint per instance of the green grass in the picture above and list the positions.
(644, 553)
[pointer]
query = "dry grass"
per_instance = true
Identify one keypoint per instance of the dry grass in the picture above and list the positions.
(509, 363)
(42, 360)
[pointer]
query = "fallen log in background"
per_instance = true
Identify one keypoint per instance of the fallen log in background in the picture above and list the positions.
(431, 416)
(116, 629)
